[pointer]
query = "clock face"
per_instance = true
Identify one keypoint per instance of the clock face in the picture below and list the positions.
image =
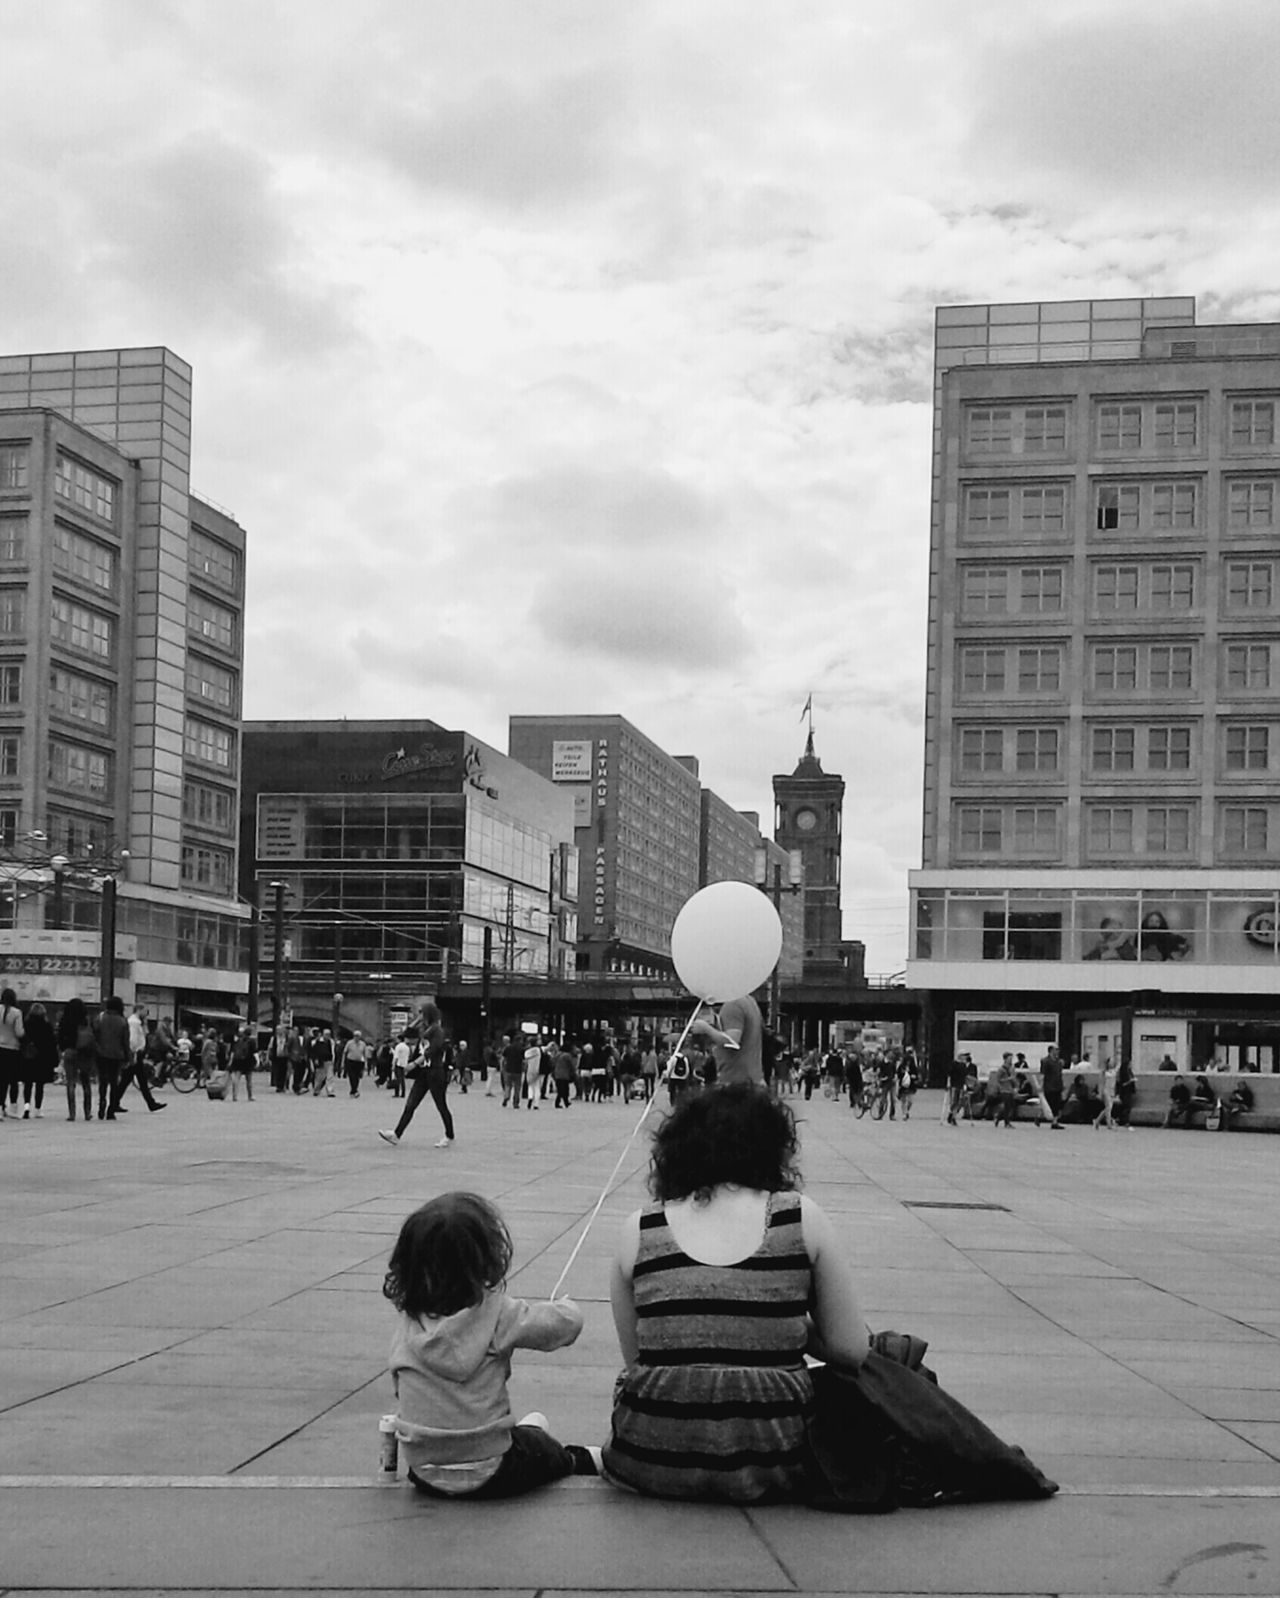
(806, 820)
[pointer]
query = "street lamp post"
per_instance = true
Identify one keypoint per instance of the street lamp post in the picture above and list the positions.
(775, 888)
(277, 973)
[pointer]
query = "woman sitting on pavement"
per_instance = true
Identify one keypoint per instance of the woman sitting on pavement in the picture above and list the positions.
(720, 1288)
(711, 1290)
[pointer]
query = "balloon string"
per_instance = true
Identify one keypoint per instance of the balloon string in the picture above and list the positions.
(635, 1133)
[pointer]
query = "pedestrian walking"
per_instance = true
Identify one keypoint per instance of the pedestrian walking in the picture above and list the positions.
(39, 1060)
(79, 1056)
(354, 1055)
(136, 1068)
(428, 1072)
(321, 1058)
(11, 1029)
(111, 1033)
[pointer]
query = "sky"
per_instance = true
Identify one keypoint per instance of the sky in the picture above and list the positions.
(575, 355)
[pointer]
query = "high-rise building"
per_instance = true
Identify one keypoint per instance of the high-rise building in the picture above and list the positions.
(121, 599)
(1101, 797)
(649, 836)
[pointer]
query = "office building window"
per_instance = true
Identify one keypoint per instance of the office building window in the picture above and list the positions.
(203, 741)
(1035, 829)
(1248, 666)
(77, 836)
(10, 755)
(1169, 749)
(13, 611)
(986, 510)
(1110, 829)
(216, 562)
(1041, 590)
(1251, 503)
(1111, 749)
(1118, 507)
(1044, 428)
(1248, 748)
(982, 671)
(82, 770)
(985, 590)
(1115, 588)
(981, 749)
(8, 829)
(13, 468)
(1245, 829)
(80, 698)
(86, 490)
(211, 621)
(1177, 425)
(990, 430)
(13, 539)
(1168, 829)
(204, 806)
(84, 558)
(1044, 508)
(214, 684)
(1250, 584)
(10, 683)
(203, 867)
(1120, 427)
(1173, 587)
(1253, 423)
(979, 829)
(1173, 505)
(77, 628)
(1036, 749)
(1171, 667)
(1115, 668)
(1040, 669)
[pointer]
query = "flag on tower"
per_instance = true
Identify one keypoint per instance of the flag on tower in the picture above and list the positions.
(808, 707)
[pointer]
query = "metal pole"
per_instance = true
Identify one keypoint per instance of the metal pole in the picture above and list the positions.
(277, 974)
(775, 984)
(107, 965)
(255, 958)
(337, 975)
(486, 984)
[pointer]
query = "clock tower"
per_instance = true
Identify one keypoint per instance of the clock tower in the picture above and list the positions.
(807, 816)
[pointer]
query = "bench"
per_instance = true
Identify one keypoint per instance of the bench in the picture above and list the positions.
(1151, 1102)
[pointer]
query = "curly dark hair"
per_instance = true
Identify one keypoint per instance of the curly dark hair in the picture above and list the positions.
(449, 1254)
(739, 1134)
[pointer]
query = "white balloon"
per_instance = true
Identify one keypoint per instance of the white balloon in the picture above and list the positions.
(725, 941)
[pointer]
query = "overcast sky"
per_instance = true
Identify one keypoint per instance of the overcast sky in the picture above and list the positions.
(574, 355)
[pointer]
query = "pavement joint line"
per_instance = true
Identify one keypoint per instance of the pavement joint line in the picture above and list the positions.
(571, 1483)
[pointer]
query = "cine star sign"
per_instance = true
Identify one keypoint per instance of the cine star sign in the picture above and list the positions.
(571, 760)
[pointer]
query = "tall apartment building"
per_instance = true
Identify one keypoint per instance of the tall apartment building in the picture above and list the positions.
(649, 836)
(1102, 760)
(121, 599)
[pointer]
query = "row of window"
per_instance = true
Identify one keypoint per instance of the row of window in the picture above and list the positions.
(986, 670)
(1244, 748)
(1143, 505)
(1131, 426)
(1116, 587)
(76, 554)
(71, 766)
(1035, 831)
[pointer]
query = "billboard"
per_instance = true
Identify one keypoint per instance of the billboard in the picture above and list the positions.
(571, 760)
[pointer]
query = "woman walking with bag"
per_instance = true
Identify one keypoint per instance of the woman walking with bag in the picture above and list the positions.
(11, 1030)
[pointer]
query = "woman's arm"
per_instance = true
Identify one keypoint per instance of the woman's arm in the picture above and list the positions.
(840, 1330)
(621, 1295)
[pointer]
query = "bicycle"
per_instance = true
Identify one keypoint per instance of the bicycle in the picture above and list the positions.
(187, 1075)
(874, 1097)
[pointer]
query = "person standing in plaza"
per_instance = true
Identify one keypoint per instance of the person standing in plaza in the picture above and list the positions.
(11, 1028)
(243, 1058)
(532, 1071)
(39, 1052)
(957, 1093)
(429, 1073)
(321, 1053)
(111, 1033)
(1005, 1094)
(79, 1056)
(401, 1054)
(564, 1070)
(736, 1040)
(512, 1070)
(1106, 1116)
(354, 1055)
(1051, 1069)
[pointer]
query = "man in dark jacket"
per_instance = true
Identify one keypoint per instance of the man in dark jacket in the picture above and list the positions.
(111, 1034)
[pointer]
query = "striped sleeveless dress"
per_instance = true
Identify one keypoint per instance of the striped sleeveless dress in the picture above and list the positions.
(714, 1406)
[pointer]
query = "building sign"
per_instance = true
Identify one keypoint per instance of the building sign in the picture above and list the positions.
(279, 830)
(403, 762)
(601, 796)
(473, 771)
(74, 965)
(581, 805)
(571, 760)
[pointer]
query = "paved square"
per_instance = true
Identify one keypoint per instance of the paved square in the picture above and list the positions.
(193, 1342)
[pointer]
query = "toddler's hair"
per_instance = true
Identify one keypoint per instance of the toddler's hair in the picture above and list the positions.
(449, 1254)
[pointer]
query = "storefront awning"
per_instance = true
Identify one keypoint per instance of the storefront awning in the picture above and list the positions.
(210, 1015)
